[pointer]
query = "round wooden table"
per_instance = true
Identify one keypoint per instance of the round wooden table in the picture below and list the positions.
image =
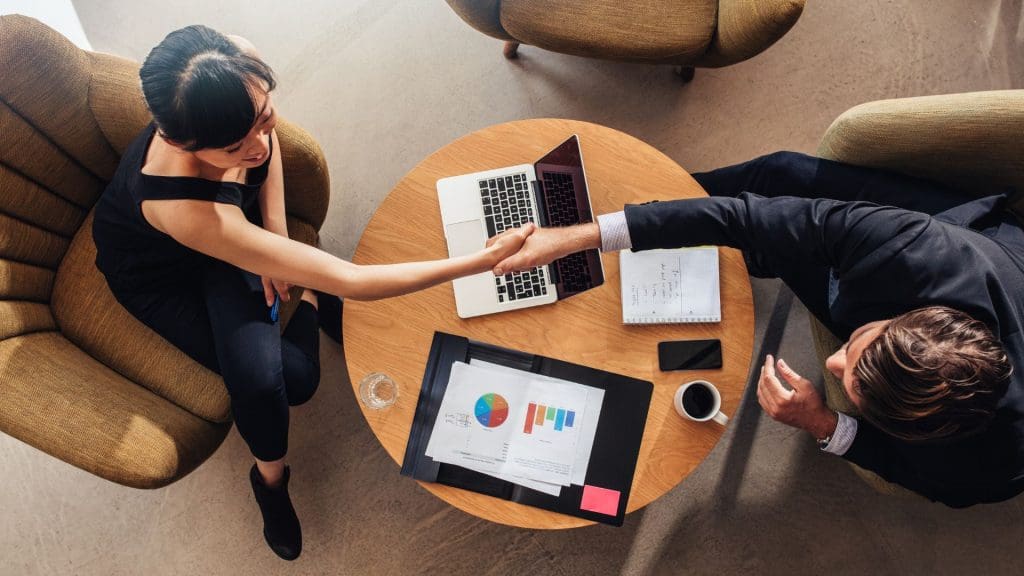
(394, 336)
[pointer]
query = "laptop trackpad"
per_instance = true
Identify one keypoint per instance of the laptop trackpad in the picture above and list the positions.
(465, 237)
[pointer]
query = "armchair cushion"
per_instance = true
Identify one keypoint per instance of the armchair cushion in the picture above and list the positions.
(971, 141)
(116, 101)
(20, 281)
(18, 318)
(649, 30)
(748, 27)
(46, 79)
(93, 320)
(484, 15)
(60, 400)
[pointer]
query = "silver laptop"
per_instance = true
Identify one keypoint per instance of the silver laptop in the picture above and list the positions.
(552, 192)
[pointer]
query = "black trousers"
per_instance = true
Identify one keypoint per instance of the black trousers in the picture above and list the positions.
(794, 174)
(220, 320)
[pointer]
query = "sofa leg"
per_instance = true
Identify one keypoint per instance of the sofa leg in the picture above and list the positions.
(685, 73)
(511, 50)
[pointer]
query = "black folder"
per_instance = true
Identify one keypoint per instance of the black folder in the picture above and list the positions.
(620, 429)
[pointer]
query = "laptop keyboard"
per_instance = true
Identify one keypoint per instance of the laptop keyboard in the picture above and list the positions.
(573, 270)
(506, 202)
(561, 199)
(521, 285)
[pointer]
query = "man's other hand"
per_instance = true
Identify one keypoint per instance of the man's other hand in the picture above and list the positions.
(800, 407)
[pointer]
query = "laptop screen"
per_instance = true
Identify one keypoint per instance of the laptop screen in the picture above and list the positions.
(564, 185)
(565, 201)
(566, 154)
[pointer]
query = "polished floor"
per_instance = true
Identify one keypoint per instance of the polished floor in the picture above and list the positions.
(381, 84)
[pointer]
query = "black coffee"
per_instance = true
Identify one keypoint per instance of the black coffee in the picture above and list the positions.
(698, 401)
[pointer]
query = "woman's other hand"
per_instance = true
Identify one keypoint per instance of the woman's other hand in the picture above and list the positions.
(270, 286)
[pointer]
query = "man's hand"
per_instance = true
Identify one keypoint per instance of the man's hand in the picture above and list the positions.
(270, 285)
(800, 407)
(546, 245)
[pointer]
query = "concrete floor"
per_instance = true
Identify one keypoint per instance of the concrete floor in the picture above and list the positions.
(381, 84)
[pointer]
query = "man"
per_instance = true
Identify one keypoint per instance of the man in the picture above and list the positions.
(926, 284)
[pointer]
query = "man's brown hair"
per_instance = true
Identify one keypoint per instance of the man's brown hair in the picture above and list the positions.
(932, 374)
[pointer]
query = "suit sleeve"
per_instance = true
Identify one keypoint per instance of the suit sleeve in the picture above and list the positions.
(779, 236)
(892, 460)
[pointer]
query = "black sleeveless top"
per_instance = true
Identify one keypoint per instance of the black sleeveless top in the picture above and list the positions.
(136, 257)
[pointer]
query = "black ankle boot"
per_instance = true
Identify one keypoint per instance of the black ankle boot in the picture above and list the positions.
(280, 524)
(329, 314)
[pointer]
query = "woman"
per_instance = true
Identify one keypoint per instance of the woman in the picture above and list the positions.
(192, 238)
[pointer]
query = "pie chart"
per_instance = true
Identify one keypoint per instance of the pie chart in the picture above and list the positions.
(491, 410)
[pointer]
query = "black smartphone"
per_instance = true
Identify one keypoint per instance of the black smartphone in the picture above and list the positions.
(690, 355)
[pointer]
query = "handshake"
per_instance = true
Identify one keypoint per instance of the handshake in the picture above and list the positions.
(530, 246)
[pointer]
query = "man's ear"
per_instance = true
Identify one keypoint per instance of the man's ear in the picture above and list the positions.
(855, 386)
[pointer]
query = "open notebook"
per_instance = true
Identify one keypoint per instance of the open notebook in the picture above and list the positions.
(670, 286)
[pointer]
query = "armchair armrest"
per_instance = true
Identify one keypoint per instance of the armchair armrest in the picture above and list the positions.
(748, 27)
(307, 184)
(484, 15)
(970, 141)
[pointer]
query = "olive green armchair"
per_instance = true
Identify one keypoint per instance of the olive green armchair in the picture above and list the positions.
(80, 378)
(971, 141)
(686, 33)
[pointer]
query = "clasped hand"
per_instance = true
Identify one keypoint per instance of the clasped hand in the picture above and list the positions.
(540, 246)
(509, 243)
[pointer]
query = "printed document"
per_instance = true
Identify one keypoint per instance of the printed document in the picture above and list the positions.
(517, 425)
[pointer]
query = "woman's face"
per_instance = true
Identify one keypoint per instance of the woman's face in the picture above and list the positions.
(252, 150)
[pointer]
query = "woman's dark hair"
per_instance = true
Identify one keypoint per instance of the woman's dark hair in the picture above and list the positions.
(933, 374)
(201, 88)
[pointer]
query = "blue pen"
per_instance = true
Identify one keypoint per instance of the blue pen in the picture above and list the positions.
(275, 307)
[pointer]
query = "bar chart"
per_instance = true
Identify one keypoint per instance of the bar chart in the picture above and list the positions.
(537, 415)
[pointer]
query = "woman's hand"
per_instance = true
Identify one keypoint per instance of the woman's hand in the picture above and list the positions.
(270, 286)
(506, 244)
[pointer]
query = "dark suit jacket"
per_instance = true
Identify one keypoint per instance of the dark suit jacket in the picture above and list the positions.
(887, 261)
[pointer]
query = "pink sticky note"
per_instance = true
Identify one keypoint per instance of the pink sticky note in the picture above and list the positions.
(600, 500)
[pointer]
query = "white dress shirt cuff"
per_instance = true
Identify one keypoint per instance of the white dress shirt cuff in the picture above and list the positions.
(842, 438)
(614, 232)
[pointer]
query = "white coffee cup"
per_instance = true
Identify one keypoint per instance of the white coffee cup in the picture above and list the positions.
(705, 405)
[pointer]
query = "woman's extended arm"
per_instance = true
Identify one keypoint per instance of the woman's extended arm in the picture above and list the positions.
(221, 231)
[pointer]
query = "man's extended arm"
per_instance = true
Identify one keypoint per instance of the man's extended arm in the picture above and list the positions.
(778, 235)
(781, 236)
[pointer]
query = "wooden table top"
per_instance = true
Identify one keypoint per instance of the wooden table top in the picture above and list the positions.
(393, 336)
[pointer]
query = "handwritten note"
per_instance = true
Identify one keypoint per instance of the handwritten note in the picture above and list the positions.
(670, 286)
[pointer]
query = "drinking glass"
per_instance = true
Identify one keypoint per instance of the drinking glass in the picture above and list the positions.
(378, 391)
